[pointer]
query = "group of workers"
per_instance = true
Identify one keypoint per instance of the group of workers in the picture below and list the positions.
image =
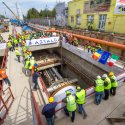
(30, 65)
(105, 86)
(72, 102)
(92, 48)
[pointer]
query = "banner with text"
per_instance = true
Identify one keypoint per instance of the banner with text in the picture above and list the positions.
(2, 45)
(42, 41)
(120, 7)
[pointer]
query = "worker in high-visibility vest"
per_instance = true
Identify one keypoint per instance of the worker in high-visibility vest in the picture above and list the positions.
(89, 47)
(75, 42)
(9, 45)
(25, 56)
(107, 86)
(15, 42)
(80, 100)
(30, 54)
(27, 64)
(70, 105)
(24, 49)
(32, 62)
(4, 76)
(114, 83)
(99, 90)
(98, 46)
(18, 54)
(34, 68)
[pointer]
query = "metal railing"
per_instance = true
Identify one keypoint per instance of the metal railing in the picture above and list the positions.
(36, 112)
(5, 102)
(44, 87)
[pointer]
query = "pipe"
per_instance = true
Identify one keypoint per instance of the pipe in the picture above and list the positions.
(48, 77)
(49, 74)
(111, 44)
(57, 74)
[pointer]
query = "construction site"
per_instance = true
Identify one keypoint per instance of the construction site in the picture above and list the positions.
(63, 65)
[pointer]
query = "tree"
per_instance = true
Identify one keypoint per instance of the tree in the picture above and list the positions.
(33, 13)
(2, 16)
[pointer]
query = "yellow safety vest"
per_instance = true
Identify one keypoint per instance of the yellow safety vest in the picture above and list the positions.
(71, 104)
(80, 97)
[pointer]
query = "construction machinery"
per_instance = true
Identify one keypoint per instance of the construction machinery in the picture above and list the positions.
(18, 20)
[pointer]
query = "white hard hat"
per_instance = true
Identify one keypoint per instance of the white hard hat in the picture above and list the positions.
(32, 57)
(104, 76)
(98, 77)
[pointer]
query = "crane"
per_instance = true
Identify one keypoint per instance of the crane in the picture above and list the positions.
(11, 11)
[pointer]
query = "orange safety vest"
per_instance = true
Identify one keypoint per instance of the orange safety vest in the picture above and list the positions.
(34, 69)
(3, 73)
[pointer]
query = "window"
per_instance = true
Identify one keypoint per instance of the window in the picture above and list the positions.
(72, 19)
(102, 22)
(78, 11)
(78, 19)
(90, 18)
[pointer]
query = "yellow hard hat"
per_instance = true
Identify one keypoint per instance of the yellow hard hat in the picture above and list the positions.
(111, 74)
(78, 87)
(51, 99)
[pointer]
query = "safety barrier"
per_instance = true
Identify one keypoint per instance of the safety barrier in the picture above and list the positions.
(104, 42)
(5, 97)
(37, 118)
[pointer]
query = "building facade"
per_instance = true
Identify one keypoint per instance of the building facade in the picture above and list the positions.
(61, 14)
(97, 15)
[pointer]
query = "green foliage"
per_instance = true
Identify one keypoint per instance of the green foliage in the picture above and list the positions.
(2, 16)
(33, 13)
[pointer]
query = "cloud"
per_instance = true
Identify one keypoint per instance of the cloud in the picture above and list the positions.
(27, 4)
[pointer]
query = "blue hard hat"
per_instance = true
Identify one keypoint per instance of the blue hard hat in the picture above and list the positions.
(35, 64)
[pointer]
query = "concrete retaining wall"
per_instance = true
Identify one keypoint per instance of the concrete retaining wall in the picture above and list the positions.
(41, 47)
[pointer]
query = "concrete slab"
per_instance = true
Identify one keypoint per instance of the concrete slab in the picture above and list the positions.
(41, 47)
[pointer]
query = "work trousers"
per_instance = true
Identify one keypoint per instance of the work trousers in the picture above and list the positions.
(113, 91)
(50, 121)
(98, 97)
(67, 113)
(81, 109)
(106, 94)
(27, 72)
(89, 50)
(18, 57)
(36, 84)
(7, 81)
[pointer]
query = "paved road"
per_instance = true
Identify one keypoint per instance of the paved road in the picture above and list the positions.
(20, 112)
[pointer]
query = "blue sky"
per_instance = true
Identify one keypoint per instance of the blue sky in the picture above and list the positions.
(26, 4)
